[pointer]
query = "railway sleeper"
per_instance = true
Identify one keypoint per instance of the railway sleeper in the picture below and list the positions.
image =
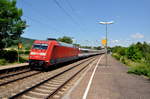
(56, 83)
(48, 88)
(28, 97)
(42, 90)
(57, 80)
(51, 85)
(37, 94)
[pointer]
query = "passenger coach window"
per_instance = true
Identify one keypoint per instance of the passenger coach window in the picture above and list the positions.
(40, 46)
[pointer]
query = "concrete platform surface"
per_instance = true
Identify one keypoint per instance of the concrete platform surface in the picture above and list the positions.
(13, 66)
(109, 82)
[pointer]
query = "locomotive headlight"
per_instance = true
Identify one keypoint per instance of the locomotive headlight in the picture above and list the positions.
(42, 54)
(33, 53)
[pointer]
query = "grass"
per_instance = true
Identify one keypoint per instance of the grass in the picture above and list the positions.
(140, 69)
(3, 62)
(23, 58)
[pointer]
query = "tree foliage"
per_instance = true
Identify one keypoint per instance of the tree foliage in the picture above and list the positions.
(11, 24)
(66, 39)
(119, 50)
(135, 52)
(88, 47)
(77, 45)
(98, 48)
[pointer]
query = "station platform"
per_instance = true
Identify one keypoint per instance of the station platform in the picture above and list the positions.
(109, 82)
(13, 66)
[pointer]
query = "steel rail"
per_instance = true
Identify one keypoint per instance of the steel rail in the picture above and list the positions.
(53, 93)
(42, 82)
(19, 78)
(13, 74)
(11, 69)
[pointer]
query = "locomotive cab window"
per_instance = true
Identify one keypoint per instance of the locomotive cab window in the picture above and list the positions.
(40, 46)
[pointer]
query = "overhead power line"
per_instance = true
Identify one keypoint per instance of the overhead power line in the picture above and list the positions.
(75, 14)
(39, 22)
(37, 12)
(70, 6)
(73, 10)
(59, 5)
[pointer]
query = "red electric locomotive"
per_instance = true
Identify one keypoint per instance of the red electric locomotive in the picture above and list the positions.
(50, 52)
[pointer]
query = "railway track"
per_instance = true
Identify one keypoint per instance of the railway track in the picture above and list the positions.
(13, 73)
(17, 76)
(49, 87)
(38, 85)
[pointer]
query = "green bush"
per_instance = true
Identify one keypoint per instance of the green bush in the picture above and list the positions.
(116, 56)
(123, 59)
(22, 60)
(142, 69)
(3, 61)
(24, 52)
(27, 52)
(148, 74)
(134, 53)
(119, 50)
(2, 53)
(10, 55)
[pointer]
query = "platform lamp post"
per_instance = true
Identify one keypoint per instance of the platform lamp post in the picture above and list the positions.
(106, 23)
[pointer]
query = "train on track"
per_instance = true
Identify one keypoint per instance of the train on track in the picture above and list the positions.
(51, 52)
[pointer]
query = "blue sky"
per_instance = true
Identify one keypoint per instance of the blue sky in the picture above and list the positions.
(80, 19)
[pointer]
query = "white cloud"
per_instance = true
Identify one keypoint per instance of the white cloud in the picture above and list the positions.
(148, 41)
(137, 36)
(115, 41)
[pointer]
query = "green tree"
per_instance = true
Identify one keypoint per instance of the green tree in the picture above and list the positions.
(77, 45)
(120, 50)
(66, 39)
(88, 47)
(134, 53)
(11, 24)
(98, 48)
(146, 52)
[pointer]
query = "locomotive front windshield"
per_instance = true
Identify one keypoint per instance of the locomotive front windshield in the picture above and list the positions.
(40, 46)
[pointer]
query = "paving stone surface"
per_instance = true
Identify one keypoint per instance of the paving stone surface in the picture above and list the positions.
(111, 82)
